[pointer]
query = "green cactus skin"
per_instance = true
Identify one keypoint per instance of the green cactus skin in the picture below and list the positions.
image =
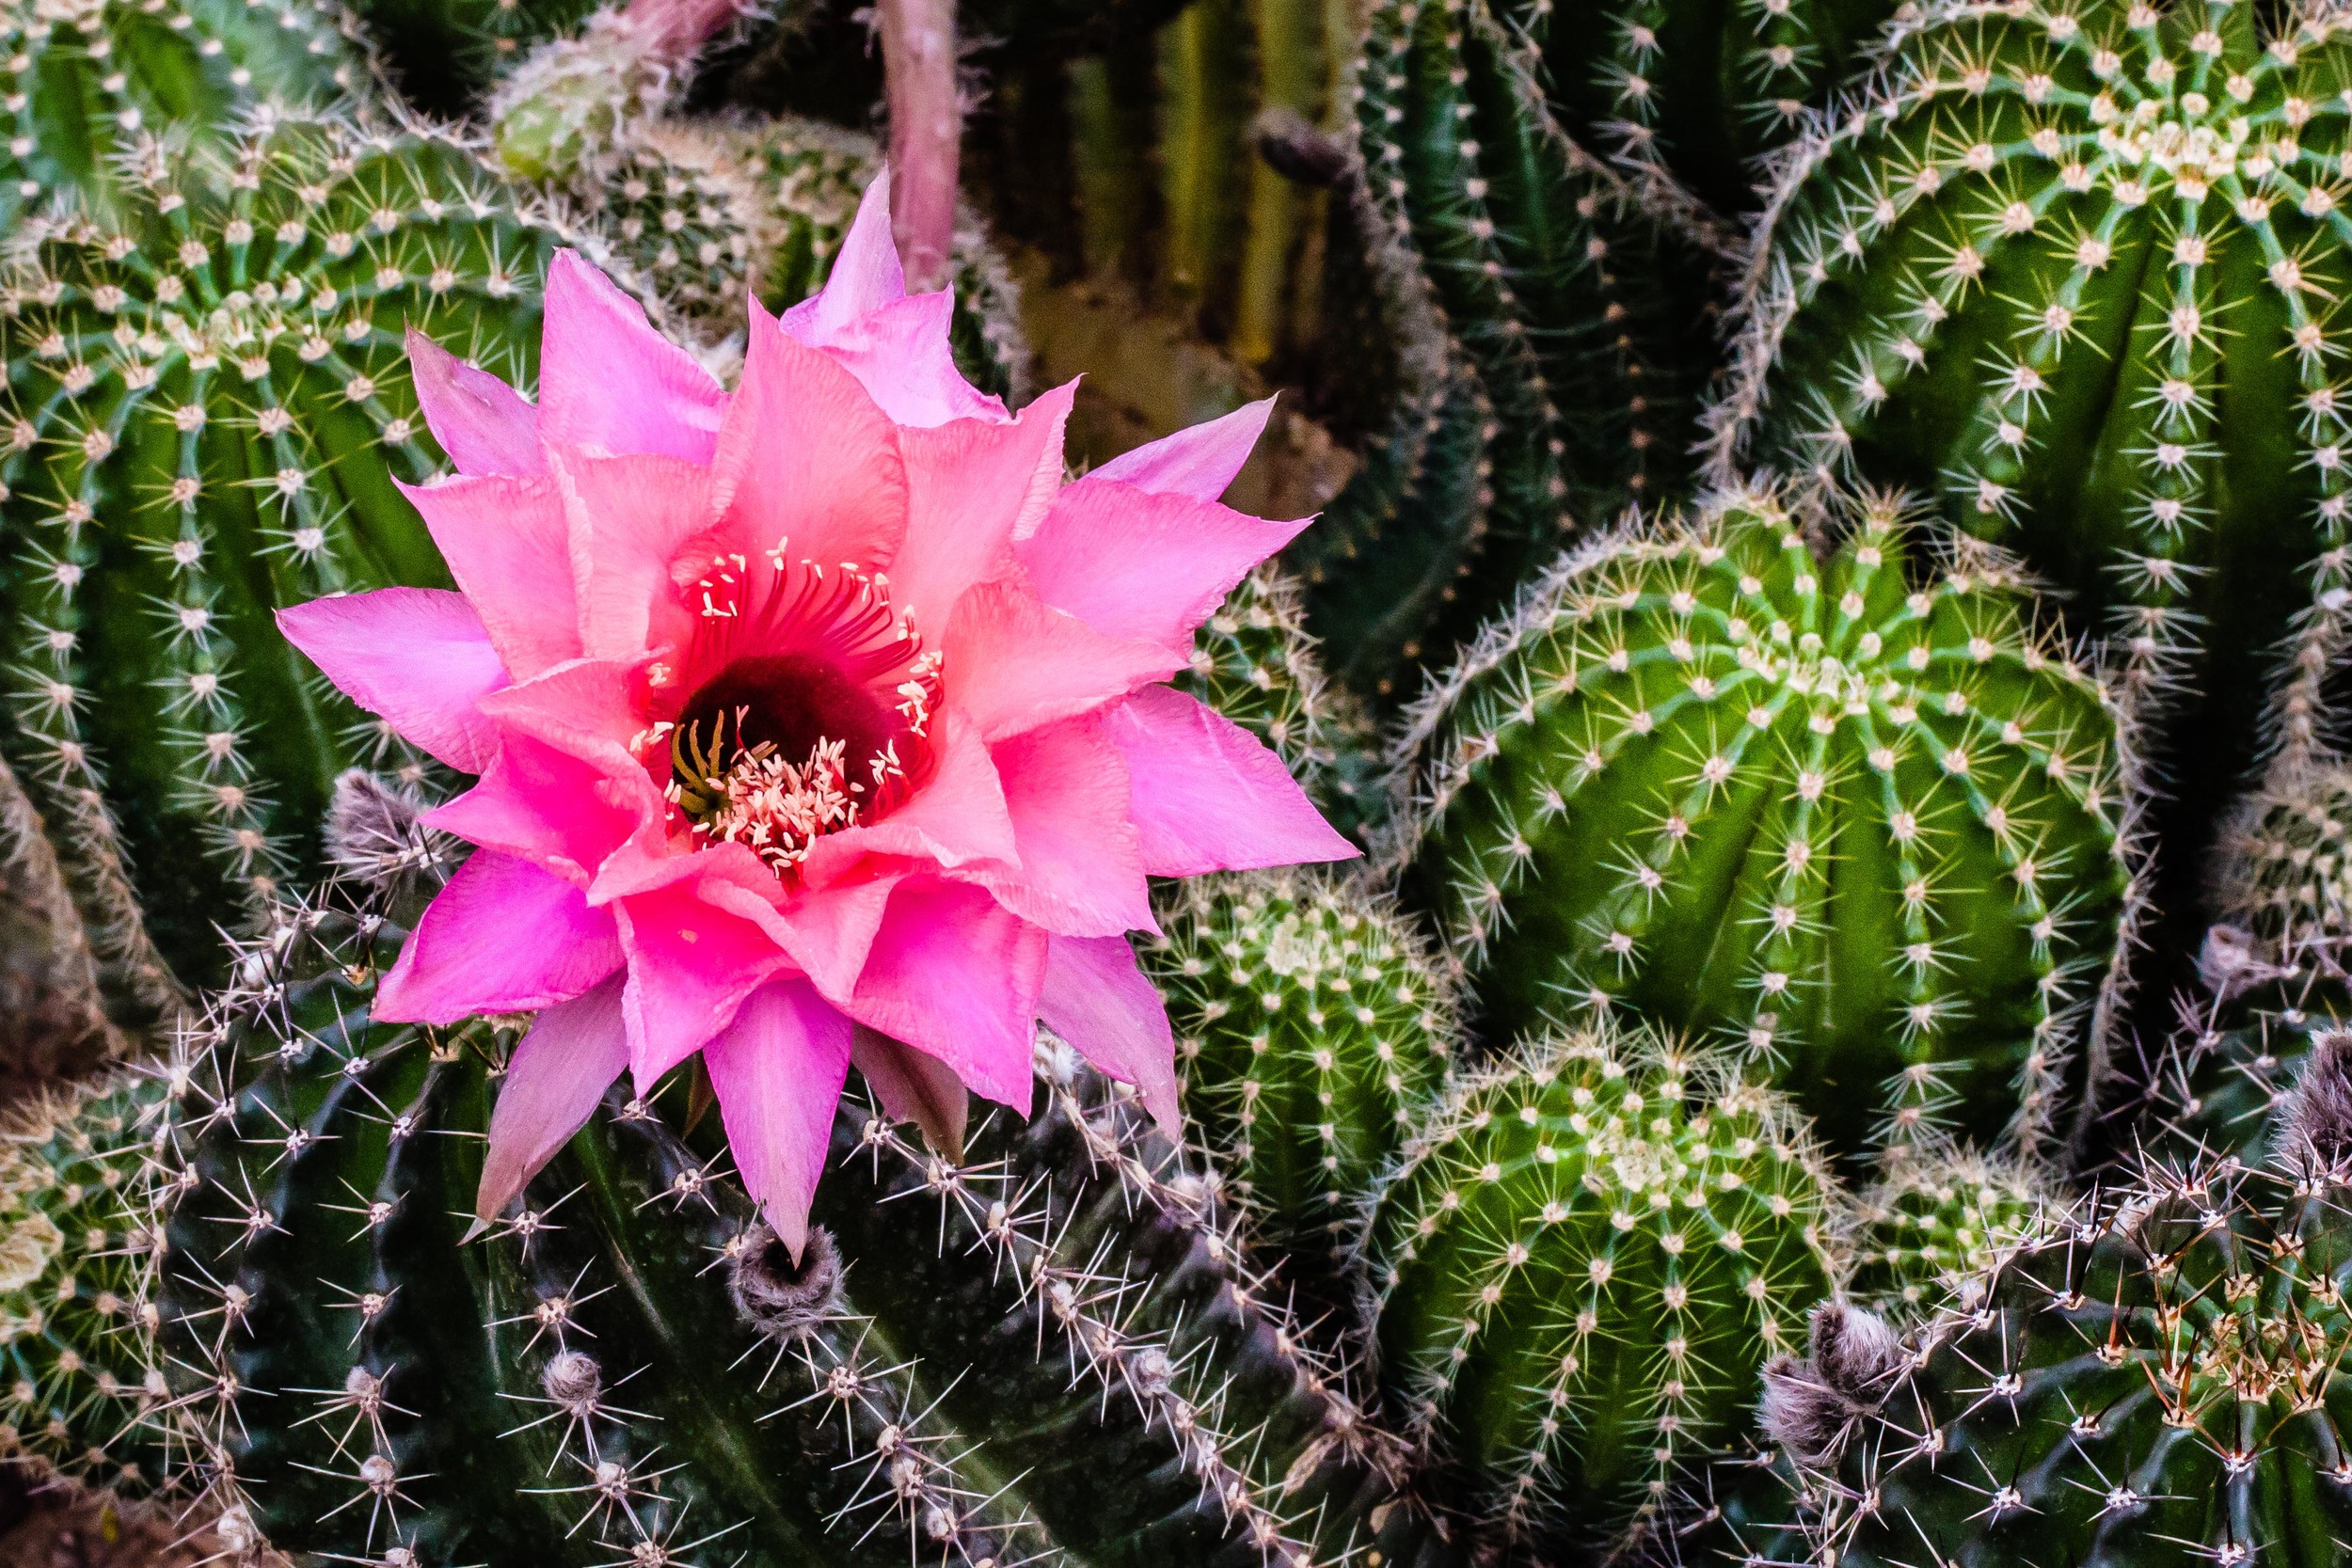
(1583, 316)
(1313, 1029)
(1254, 661)
(206, 407)
(1583, 1257)
(1704, 93)
(1924, 1236)
(1041, 1351)
(78, 1389)
(2155, 1383)
(83, 85)
(2068, 268)
(1855, 814)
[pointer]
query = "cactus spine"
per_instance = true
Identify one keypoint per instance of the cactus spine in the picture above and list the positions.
(1855, 814)
(1926, 1235)
(1311, 1029)
(1584, 1257)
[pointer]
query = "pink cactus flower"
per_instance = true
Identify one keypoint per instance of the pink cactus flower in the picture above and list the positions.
(816, 722)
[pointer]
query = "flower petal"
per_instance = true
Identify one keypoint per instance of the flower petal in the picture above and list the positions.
(956, 818)
(629, 519)
(608, 381)
(544, 806)
(866, 273)
(953, 973)
(508, 545)
(1198, 461)
(1097, 998)
(690, 965)
(552, 1083)
(1133, 565)
(1079, 862)
(904, 357)
(827, 931)
(971, 489)
(1014, 662)
(416, 658)
(915, 1086)
(502, 937)
(806, 460)
(1208, 796)
(484, 425)
(581, 708)
(778, 1071)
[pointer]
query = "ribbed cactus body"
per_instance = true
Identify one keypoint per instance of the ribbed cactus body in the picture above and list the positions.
(1583, 316)
(2069, 268)
(2154, 1384)
(1926, 1235)
(207, 405)
(1852, 812)
(1312, 1031)
(1042, 1347)
(82, 86)
(1585, 1256)
(1704, 92)
(78, 1382)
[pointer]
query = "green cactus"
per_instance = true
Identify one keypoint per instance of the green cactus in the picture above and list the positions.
(1583, 1258)
(1041, 1347)
(1704, 93)
(2068, 269)
(208, 403)
(1924, 1236)
(78, 1386)
(1855, 814)
(87, 85)
(1311, 1030)
(1582, 309)
(2153, 1382)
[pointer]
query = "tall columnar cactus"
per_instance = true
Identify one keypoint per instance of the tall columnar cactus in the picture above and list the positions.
(1923, 1237)
(208, 405)
(1855, 814)
(1703, 94)
(2070, 269)
(1312, 1032)
(1585, 1255)
(83, 85)
(2156, 1382)
(1042, 1346)
(1583, 314)
(79, 1388)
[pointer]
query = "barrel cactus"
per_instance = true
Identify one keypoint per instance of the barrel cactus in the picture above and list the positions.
(1924, 1236)
(1043, 1346)
(210, 403)
(2068, 268)
(1311, 1030)
(2155, 1381)
(1856, 813)
(1585, 1255)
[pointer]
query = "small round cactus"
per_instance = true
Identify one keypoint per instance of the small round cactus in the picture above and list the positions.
(206, 407)
(1925, 1235)
(2157, 1381)
(2286, 858)
(1585, 1256)
(1851, 812)
(1312, 1032)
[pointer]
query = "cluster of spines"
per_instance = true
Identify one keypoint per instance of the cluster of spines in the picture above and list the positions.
(2286, 857)
(1808, 691)
(206, 404)
(1927, 1233)
(1578, 1261)
(1313, 1029)
(1994, 172)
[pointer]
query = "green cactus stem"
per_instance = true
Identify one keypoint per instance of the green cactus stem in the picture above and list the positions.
(1583, 1258)
(1855, 813)
(84, 86)
(1313, 1029)
(2156, 1381)
(1925, 1236)
(205, 408)
(1042, 1350)
(2068, 269)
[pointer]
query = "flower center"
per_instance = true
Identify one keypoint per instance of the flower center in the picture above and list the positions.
(807, 710)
